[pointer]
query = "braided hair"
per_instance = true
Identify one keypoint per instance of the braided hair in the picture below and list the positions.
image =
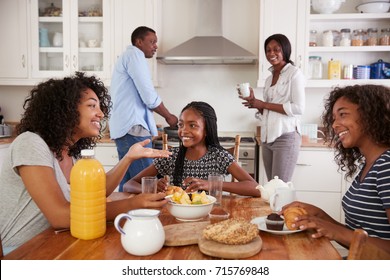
(210, 119)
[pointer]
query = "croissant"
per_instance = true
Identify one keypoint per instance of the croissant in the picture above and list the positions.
(290, 214)
(172, 189)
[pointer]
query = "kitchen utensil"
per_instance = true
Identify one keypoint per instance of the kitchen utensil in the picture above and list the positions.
(44, 37)
(190, 212)
(143, 233)
(244, 89)
(57, 39)
(374, 7)
(184, 233)
(171, 131)
(269, 188)
(220, 250)
(326, 6)
(281, 197)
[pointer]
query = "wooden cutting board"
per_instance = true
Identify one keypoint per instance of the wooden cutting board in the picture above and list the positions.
(220, 250)
(184, 233)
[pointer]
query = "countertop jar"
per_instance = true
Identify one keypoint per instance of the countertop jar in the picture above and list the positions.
(372, 37)
(313, 38)
(357, 37)
(315, 67)
(327, 38)
(384, 39)
(345, 37)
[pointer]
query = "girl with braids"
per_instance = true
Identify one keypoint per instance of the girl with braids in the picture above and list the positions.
(357, 122)
(61, 118)
(198, 155)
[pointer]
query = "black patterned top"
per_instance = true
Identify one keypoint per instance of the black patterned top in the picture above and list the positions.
(215, 161)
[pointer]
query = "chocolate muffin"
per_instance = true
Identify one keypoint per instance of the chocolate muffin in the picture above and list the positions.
(274, 222)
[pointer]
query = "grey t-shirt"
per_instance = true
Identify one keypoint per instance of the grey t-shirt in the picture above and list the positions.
(20, 218)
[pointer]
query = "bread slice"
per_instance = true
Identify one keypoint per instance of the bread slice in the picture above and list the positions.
(231, 231)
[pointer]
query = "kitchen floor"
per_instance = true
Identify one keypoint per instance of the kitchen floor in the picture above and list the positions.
(342, 251)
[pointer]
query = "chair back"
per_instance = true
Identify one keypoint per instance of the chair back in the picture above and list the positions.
(235, 151)
(1, 248)
(362, 249)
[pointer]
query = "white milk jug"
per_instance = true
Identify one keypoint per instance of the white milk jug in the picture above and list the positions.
(143, 233)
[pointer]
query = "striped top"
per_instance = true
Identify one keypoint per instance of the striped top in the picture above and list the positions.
(365, 202)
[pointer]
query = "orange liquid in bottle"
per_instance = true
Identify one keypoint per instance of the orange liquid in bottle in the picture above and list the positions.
(87, 198)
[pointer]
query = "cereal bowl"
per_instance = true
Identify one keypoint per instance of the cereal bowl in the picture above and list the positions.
(190, 212)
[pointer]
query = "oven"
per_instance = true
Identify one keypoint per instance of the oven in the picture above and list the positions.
(248, 153)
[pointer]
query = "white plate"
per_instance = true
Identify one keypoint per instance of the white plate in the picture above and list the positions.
(260, 222)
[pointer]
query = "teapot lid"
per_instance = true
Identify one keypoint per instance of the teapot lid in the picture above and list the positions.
(276, 181)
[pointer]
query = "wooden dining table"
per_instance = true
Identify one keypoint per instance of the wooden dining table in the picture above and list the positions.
(51, 244)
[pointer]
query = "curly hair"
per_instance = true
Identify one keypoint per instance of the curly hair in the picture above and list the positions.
(374, 109)
(210, 118)
(51, 111)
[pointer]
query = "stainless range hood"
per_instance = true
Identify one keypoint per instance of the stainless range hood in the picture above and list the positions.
(209, 47)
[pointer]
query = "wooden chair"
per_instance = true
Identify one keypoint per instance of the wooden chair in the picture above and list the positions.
(361, 249)
(1, 248)
(235, 151)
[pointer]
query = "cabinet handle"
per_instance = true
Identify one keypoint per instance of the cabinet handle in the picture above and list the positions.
(303, 164)
(300, 61)
(66, 61)
(74, 62)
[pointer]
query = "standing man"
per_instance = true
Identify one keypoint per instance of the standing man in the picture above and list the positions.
(135, 99)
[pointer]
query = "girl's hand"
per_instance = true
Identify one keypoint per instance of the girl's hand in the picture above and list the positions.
(149, 200)
(162, 185)
(195, 184)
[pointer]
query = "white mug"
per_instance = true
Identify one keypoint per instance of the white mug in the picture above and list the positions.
(281, 197)
(244, 89)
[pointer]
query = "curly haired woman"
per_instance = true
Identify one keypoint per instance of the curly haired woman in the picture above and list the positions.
(357, 122)
(62, 117)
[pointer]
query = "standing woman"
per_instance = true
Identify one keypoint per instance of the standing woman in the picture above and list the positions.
(284, 103)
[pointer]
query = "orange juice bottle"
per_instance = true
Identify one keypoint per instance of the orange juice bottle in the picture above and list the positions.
(87, 197)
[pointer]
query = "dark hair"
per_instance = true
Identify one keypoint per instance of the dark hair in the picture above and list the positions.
(210, 118)
(51, 110)
(374, 109)
(283, 41)
(140, 33)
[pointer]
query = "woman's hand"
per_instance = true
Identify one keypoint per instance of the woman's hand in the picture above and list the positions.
(137, 151)
(251, 102)
(195, 184)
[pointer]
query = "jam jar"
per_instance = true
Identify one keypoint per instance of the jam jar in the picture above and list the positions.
(384, 39)
(358, 37)
(345, 37)
(372, 37)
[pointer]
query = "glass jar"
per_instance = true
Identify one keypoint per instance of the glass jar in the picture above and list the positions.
(384, 39)
(313, 38)
(327, 38)
(315, 67)
(372, 37)
(345, 37)
(357, 37)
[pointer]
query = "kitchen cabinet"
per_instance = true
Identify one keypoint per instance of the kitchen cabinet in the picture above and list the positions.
(13, 31)
(143, 13)
(293, 13)
(346, 17)
(317, 180)
(107, 154)
(78, 37)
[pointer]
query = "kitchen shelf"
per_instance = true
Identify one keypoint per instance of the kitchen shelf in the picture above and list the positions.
(332, 83)
(348, 17)
(350, 49)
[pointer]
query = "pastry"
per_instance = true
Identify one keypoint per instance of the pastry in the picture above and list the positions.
(231, 231)
(172, 189)
(274, 222)
(290, 214)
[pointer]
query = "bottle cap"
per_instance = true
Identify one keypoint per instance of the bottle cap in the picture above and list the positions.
(87, 152)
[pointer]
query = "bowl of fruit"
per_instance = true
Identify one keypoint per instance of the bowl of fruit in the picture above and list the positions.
(190, 206)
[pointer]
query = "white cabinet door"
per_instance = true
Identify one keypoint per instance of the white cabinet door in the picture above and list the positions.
(77, 23)
(107, 155)
(143, 12)
(13, 34)
(293, 13)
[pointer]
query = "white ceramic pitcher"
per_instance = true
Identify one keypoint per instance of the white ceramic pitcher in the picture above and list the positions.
(143, 233)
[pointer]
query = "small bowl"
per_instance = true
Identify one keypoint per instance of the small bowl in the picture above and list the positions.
(374, 7)
(190, 212)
